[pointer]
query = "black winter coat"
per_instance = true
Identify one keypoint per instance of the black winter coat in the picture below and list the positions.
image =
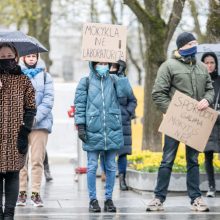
(214, 139)
(127, 106)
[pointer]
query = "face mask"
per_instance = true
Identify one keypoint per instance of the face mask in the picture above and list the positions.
(113, 72)
(188, 52)
(102, 69)
(9, 66)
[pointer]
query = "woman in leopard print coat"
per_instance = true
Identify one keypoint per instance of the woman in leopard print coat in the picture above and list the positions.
(17, 111)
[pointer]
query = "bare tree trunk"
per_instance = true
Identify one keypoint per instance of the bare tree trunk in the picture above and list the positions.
(213, 23)
(93, 12)
(157, 37)
(201, 37)
(43, 24)
(39, 26)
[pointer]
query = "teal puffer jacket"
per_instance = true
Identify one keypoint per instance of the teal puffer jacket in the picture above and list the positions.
(96, 102)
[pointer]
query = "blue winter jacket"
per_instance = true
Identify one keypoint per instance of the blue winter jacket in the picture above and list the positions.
(44, 96)
(97, 106)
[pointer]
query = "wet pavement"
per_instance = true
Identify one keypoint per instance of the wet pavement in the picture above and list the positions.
(64, 198)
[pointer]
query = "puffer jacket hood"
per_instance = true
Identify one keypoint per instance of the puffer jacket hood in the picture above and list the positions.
(93, 71)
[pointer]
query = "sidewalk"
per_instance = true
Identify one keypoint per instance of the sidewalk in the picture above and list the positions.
(66, 199)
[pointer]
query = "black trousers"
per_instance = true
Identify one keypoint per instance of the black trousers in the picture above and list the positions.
(210, 168)
(11, 188)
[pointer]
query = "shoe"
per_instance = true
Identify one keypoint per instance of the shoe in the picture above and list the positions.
(103, 177)
(22, 199)
(9, 213)
(109, 206)
(199, 205)
(155, 205)
(122, 183)
(211, 192)
(36, 200)
(94, 206)
(47, 173)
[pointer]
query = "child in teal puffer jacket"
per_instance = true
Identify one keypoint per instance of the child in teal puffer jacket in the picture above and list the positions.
(98, 118)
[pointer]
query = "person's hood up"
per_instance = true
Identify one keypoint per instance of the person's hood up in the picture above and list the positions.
(92, 68)
(214, 74)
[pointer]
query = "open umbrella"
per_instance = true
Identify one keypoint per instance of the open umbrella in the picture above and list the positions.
(202, 48)
(23, 43)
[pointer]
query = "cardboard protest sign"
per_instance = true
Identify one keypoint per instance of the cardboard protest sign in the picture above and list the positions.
(184, 122)
(104, 42)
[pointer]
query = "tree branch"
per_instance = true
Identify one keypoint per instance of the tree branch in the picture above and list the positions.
(174, 19)
(113, 15)
(194, 13)
(139, 11)
(152, 7)
(135, 62)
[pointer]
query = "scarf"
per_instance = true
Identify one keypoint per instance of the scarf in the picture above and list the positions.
(31, 73)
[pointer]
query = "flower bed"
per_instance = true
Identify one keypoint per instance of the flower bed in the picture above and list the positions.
(143, 167)
(148, 161)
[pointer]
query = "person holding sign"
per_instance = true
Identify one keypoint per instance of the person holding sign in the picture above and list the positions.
(183, 73)
(98, 118)
(213, 145)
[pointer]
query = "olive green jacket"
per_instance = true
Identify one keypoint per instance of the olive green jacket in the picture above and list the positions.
(191, 79)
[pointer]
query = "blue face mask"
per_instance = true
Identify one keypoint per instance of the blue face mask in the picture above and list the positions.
(188, 52)
(102, 69)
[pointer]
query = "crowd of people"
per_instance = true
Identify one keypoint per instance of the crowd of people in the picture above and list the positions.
(105, 105)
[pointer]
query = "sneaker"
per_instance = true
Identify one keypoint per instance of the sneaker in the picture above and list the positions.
(22, 199)
(155, 205)
(94, 206)
(211, 192)
(109, 206)
(199, 205)
(36, 200)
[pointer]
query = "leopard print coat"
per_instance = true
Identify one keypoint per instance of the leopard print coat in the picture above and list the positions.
(16, 95)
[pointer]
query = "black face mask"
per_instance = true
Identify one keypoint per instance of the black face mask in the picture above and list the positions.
(9, 66)
(113, 72)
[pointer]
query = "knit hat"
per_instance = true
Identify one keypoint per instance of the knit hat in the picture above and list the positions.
(183, 39)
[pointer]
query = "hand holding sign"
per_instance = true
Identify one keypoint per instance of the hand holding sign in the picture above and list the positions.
(186, 123)
(203, 104)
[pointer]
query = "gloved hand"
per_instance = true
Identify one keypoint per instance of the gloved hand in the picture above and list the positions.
(82, 132)
(22, 141)
(122, 67)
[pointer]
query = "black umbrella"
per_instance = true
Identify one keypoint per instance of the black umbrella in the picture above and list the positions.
(23, 43)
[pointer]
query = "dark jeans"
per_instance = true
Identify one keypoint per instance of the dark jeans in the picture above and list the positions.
(11, 189)
(210, 168)
(122, 164)
(164, 173)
